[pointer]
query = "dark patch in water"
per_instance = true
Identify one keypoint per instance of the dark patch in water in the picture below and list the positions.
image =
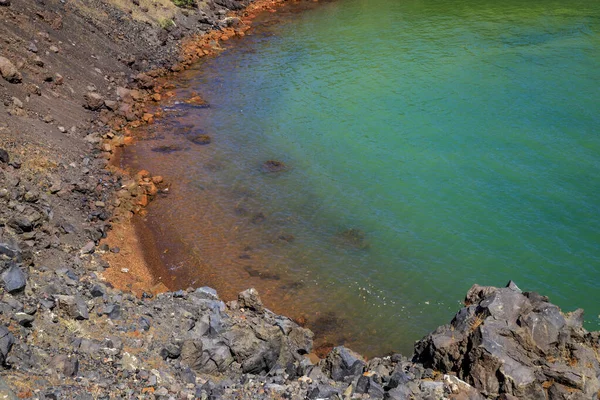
(241, 211)
(258, 218)
(214, 166)
(353, 237)
(326, 323)
(274, 166)
(296, 285)
(168, 149)
(200, 139)
(261, 274)
(184, 129)
(287, 237)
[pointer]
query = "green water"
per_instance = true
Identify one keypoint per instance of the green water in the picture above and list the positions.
(462, 138)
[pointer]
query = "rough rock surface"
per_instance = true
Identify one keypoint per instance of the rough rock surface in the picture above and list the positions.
(506, 342)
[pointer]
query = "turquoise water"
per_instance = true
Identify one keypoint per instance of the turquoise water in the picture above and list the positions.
(461, 137)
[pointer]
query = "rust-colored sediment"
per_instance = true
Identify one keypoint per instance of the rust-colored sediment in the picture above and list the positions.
(137, 266)
(129, 269)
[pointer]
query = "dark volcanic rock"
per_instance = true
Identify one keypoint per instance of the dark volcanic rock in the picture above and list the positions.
(230, 4)
(513, 343)
(4, 158)
(342, 362)
(21, 223)
(14, 278)
(6, 342)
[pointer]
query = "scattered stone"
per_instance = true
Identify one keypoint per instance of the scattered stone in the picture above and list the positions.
(111, 105)
(32, 47)
(53, 49)
(65, 365)
(17, 103)
(93, 101)
(9, 71)
(88, 248)
(4, 157)
(4, 3)
(24, 319)
(14, 279)
(129, 362)
(74, 306)
(342, 362)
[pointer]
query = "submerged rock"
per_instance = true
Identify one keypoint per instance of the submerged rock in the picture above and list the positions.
(168, 149)
(200, 139)
(354, 237)
(197, 101)
(274, 166)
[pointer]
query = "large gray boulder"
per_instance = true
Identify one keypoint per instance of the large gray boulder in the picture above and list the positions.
(505, 342)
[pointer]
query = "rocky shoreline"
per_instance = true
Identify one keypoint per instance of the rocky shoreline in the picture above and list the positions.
(77, 76)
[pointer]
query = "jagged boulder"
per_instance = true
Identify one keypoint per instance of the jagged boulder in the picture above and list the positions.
(342, 362)
(506, 342)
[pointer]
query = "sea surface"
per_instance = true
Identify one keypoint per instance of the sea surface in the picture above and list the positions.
(429, 145)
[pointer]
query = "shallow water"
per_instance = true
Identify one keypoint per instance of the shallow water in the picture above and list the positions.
(430, 144)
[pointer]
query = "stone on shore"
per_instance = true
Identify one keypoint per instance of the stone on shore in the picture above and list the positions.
(249, 299)
(74, 306)
(342, 362)
(93, 101)
(4, 157)
(9, 71)
(14, 278)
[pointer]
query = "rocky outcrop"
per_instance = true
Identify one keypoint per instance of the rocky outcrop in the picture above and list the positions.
(506, 342)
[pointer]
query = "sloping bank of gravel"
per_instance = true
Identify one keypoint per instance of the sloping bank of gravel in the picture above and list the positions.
(76, 76)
